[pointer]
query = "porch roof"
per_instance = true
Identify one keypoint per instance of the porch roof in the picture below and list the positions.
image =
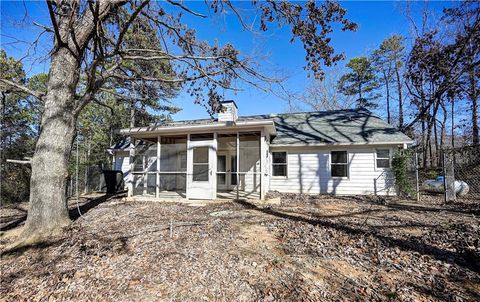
(200, 126)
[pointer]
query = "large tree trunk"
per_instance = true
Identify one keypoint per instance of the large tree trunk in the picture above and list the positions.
(48, 211)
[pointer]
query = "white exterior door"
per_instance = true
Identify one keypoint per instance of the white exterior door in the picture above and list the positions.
(201, 181)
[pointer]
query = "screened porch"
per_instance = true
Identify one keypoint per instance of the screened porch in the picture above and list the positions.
(215, 165)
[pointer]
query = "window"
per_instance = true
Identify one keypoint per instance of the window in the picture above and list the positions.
(200, 164)
(383, 158)
(339, 163)
(279, 164)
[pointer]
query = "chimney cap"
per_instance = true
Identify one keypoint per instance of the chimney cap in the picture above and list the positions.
(229, 101)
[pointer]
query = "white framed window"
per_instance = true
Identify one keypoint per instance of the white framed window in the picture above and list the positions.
(339, 163)
(279, 164)
(382, 159)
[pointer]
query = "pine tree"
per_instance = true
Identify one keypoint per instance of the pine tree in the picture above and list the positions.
(361, 81)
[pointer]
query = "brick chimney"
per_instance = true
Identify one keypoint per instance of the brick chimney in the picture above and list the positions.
(229, 112)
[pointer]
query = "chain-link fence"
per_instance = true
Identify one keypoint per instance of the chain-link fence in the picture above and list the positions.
(466, 171)
(456, 169)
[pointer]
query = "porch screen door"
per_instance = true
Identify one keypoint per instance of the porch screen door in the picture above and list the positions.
(201, 162)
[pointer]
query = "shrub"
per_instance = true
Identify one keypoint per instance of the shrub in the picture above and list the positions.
(400, 170)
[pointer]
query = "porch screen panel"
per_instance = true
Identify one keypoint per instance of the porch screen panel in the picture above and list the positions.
(145, 167)
(227, 165)
(249, 163)
(173, 164)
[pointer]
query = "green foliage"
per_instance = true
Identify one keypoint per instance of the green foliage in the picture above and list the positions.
(361, 81)
(400, 170)
(389, 57)
(392, 50)
(432, 173)
(17, 132)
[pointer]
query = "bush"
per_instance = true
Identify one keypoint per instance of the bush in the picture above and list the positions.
(400, 170)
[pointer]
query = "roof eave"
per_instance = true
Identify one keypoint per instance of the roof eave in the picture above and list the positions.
(269, 125)
(343, 144)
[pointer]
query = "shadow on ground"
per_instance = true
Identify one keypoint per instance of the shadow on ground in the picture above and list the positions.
(84, 205)
(466, 260)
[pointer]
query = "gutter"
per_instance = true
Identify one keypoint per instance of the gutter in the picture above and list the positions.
(340, 144)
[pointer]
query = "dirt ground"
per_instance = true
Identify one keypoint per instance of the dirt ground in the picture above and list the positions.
(293, 248)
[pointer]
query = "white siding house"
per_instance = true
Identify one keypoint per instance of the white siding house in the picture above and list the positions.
(309, 171)
(341, 152)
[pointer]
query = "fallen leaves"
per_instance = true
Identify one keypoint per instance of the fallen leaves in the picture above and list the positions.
(303, 248)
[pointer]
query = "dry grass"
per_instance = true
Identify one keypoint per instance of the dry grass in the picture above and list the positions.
(303, 248)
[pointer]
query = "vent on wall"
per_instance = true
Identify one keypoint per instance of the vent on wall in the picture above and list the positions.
(229, 112)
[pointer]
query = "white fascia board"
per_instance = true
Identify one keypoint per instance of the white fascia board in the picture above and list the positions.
(340, 144)
(217, 126)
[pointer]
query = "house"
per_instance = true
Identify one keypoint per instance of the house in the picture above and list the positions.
(341, 152)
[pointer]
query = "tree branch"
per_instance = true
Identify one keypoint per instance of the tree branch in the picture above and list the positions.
(36, 94)
(186, 9)
(51, 12)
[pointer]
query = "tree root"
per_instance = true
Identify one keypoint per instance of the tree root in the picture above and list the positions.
(36, 239)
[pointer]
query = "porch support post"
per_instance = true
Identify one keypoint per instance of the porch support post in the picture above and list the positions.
(238, 164)
(189, 168)
(214, 165)
(263, 165)
(130, 177)
(157, 187)
(144, 175)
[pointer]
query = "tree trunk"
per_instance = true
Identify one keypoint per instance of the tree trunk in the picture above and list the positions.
(48, 211)
(429, 139)
(443, 128)
(387, 88)
(132, 113)
(400, 100)
(453, 121)
(360, 99)
(473, 95)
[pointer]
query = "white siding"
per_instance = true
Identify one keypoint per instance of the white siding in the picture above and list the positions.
(122, 163)
(309, 172)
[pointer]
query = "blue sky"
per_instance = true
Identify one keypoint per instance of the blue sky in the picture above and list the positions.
(376, 19)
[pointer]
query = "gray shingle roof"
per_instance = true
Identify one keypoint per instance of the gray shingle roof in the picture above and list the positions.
(338, 126)
(354, 126)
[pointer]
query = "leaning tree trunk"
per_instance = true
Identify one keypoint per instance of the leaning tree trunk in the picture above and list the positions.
(48, 211)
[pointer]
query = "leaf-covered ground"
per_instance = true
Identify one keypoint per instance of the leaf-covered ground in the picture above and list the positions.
(297, 248)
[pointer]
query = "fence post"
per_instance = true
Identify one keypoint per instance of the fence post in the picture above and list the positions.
(416, 175)
(448, 176)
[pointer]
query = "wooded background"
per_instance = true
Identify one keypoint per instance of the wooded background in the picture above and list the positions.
(428, 87)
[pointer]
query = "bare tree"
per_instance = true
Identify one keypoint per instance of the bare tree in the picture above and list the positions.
(90, 54)
(323, 95)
